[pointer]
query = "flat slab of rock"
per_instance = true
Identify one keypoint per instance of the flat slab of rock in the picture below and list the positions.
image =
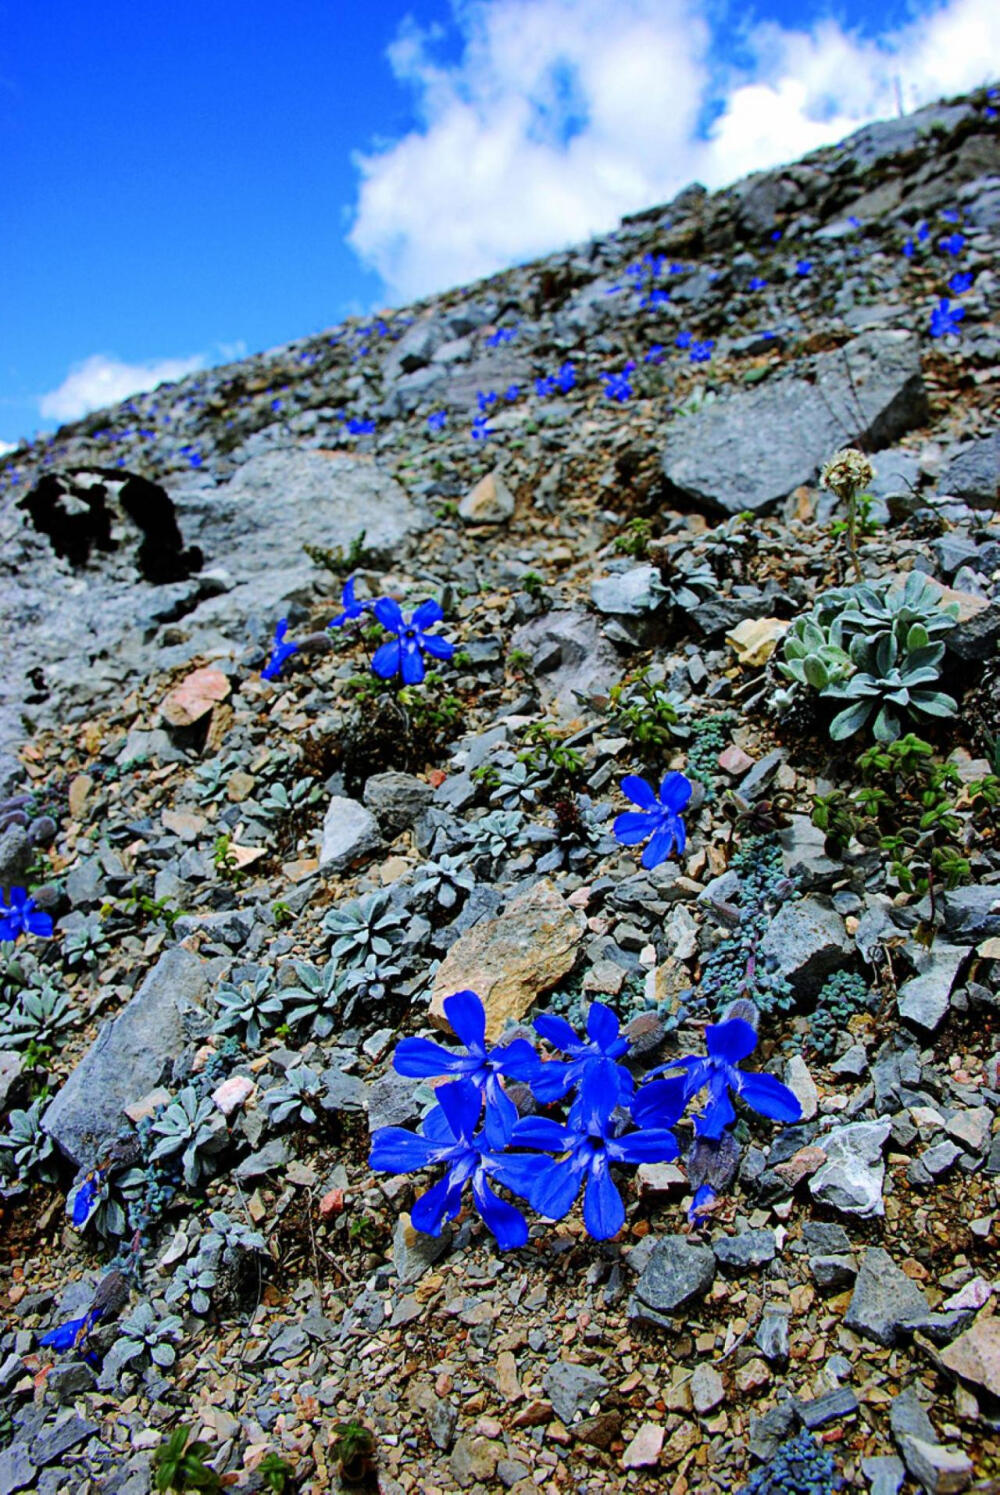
(489, 502)
(629, 593)
(806, 941)
(676, 1271)
(975, 1355)
(570, 657)
(572, 1388)
(350, 831)
(128, 1056)
(884, 1298)
(926, 997)
(512, 959)
(851, 1178)
(751, 449)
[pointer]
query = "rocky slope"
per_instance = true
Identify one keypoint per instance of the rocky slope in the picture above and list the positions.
(605, 465)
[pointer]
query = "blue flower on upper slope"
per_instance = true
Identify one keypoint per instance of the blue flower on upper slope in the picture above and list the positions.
(20, 916)
(421, 1058)
(701, 352)
(280, 651)
(960, 282)
(683, 340)
(658, 818)
(448, 1135)
(552, 1079)
(404, 654)
(945, 320)
(589, 1146)
(803, 267)
(727, 1043)
(953, 244)
(757, 283)
(352, 608)
(437, 420)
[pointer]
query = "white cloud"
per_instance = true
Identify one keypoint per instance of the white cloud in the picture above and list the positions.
(7, 446)
(561, 115)
(104, 380)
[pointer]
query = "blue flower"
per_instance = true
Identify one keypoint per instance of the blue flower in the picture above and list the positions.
(552, 1079)
(511, 393)
(617, 386)
(727, 1044)
(953, 244)
(280, 651)
(854, 221)
(659, 819)
(949, 215)
(71, 1335)
(683, 340)
(923, 232)
(566, 377)
(448, 1135)
(436, 420)
(803, 267)
(481, 429)
(702, 352)
(360, 427)
(589, 1146)
(404, 654)
(775, 235)
(88, 1196)
(960, 282)
(655, 297)
(944, 320)
(655, 354)
(352, 607)
(544, 387)
(486, 400)
(424, 1059)
(758, 283)
(908, 248)
(20, 916)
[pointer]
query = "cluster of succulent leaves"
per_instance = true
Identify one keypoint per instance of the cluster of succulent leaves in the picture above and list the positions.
(27, 1148)
(34, 1013)
(841, 997)
(709, 735)
(194, 1280)
(907, 806)
(192, 1131)
(801, 1466)
(734, 967)
(877, 648)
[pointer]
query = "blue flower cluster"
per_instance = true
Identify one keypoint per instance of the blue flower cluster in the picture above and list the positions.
(20, 916)
(475, 1131)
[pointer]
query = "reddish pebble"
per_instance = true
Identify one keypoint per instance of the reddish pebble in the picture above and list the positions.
(331, 1204)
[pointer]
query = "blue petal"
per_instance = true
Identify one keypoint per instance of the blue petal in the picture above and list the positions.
(387, 610)
(717, 1115)
(503, 1219)
(441, 1202)
(633, 826)
(668, 834)
(731, 1041)
(38, 923)
(554, 1190)
(652, 1145)
(598, 1097)
(462, 1103)
(603, 1210)
(551, 1080)
(467, 1016)
(421, 1058)
(519, 1171)
(769, 1097)
(675, 791)
(427, 614)
(557, 1031)
(395, 1150)
(347, 596)
(517, 1059)
(65, 1336)
(638, 791)
(500, 1116)
(660, 1103)
(9, 930)
(385, 662)
(542, 1134)
(412, 664)
(602, 1025)
(439, 647)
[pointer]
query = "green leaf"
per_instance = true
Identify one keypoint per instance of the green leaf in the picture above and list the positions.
(917, 637)
(816, 672)
(849, 721)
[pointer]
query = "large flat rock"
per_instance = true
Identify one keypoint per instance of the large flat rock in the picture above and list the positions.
(751, 448)
(128, 1057)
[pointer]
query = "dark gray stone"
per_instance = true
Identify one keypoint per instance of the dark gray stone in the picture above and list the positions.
(630, 593)
(390, 1101)
(343, 1092)
(677, 1270)
(884, 1473)
(976, 637)
(57, 1437)
(750, 1248)
(129, 1056)
(831, 1407)
(572, 1388)
(750, 449)
(771, 1337)
(972, 472)
(833, 1272)
(971, 914)
(16, 852)
(396, 800)
(17, 1469)
(884, 1298)
(805, 942)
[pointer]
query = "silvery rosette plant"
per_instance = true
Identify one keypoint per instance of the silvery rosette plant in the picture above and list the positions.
(192, 1129)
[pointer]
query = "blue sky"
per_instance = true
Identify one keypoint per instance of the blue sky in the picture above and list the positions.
(185, 182)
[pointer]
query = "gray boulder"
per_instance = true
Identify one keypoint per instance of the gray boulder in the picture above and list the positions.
(749, 450)
(851, 1178)
(676, 1271)
(396, 800)
(570, 658)
(884, 1298)
(972, 472)
(349, 832)
(805, 942)
(129, 1056)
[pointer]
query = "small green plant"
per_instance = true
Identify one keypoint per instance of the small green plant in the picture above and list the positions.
(225, 863)
(338, 561)
(548, 753)
(644, 712)
(32, 1149)
(846, 475)
(156, 909)
(276, 1472)
(252, 1007)
(180, 1464)
(282, 914)
(296, 1098)
(446, 509)
(192, 1127)
(432, 716)
(363, 1230)
(354, 1450)
(842, 996)
(533, 584)
(635, 539)
(519, 661)
(84, 942)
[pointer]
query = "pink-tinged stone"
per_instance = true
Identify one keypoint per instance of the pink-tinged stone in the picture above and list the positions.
(194, 697)
(973, 1295)
(232, 1093)
(147, 1104)
(975, 1355)
(331, 1204)
(644, 1450)
(735, 762)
